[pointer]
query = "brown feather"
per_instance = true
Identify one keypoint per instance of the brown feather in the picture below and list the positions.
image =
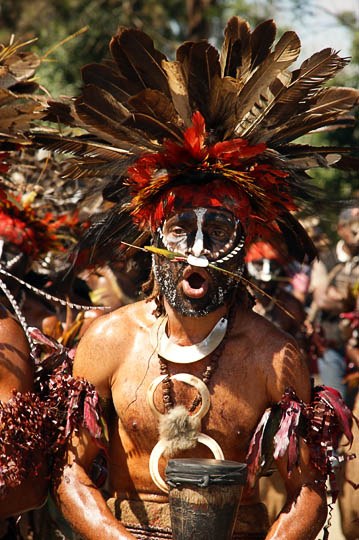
(251, 125)
(77, 147)
(305, 82)
(138, 60)
(106, 78)
(284, 54)
(224, 97)
(262, 39)
(111, 131)
(328, 104)
(183, 57)
(179, 91)
(349, 163)
(300, 245)
(105, 117)
(200, 64)
(156, 114)
(60, 112)
(235, 52)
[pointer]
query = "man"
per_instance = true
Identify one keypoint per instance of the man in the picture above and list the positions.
(21, 490)
(34, 409)
(17, 374)
(194, 300)
(335, 294)
(190, 167)
(266, 267)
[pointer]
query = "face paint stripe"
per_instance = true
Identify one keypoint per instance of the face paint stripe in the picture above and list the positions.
(197, 247)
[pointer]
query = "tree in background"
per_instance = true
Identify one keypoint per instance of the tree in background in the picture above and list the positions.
(169, 22)
(336, 184)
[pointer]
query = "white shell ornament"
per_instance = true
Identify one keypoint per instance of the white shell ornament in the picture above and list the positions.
(161, 446)
(186, 354)
(197, 261)
(188, 379)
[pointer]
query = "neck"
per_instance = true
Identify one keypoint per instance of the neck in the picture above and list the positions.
(186, 331)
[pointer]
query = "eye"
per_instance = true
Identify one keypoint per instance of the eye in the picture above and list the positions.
(178, 231)
(220, 234)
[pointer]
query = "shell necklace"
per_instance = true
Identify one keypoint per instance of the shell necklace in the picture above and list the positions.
(179, 427)
(186, 354)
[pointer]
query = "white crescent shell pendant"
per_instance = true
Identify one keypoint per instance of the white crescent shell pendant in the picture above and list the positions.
(162, 443)
(188, 379)
(186, 354)
(161, 447)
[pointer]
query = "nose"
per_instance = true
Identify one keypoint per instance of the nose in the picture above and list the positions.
(197, 248)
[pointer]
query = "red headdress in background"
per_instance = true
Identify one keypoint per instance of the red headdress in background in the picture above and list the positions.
(263, 250)
(20, 225)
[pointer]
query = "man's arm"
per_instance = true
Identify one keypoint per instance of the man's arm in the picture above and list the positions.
(305, 510)
(80, 501)
(16, 373)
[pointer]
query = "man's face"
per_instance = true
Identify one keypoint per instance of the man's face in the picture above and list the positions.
(264, 273)
(349, 232)
(203, 232)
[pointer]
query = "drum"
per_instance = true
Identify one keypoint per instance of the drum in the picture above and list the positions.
(204, 497)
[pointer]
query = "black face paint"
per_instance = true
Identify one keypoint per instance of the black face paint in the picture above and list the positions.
(219, 286)
(201, 232)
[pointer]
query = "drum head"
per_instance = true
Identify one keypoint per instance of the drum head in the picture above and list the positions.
(205, 472)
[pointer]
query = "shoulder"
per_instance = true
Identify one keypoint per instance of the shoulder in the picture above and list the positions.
(114, 327)
(293, 306)
(11, 328)
(277, 357)
(16, 366)
(108, 340)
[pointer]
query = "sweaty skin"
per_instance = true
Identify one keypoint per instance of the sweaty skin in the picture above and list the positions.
(258, 362)
(16, 373)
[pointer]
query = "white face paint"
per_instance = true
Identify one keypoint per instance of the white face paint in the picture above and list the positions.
(201, 233)
(198, 245)
(263, 270)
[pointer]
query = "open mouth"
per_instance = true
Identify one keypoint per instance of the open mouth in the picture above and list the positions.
(195, 282)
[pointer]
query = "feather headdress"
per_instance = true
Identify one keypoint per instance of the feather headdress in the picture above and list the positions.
(159, 132)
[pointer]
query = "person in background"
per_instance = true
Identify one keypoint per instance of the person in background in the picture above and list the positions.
(336, 293)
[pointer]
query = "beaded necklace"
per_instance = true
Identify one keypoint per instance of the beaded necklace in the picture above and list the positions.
(206, 375)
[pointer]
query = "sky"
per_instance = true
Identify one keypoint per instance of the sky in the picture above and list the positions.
(319, 29)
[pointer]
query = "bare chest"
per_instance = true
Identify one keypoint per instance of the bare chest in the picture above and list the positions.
(236, 401)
